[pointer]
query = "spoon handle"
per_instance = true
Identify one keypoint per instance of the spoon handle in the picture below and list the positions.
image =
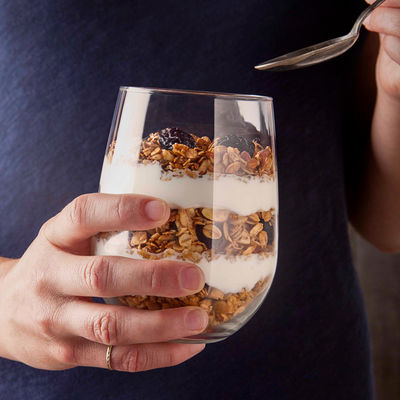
(357, 26)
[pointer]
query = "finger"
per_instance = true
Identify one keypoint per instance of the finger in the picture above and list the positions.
(92, 213)
(120, 325)
(133, 358)
(108, 276)
(391, 45)
(384, 20)
(387, 3)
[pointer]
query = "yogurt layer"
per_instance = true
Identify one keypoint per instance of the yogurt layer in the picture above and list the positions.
(240, 195)
(230, 275)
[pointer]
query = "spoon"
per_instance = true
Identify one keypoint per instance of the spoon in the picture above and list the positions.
(319, 52)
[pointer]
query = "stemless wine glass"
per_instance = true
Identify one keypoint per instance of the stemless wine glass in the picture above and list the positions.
(211, 156)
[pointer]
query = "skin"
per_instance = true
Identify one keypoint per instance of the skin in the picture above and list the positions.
(48, 319)
(375, 209)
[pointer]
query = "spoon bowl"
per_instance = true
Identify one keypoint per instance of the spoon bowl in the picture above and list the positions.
(320, 52)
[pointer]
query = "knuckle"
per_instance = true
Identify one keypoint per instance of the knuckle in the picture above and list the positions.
(65, 353)
(152, 278)
(172, 359)
(40, 283)
(44, 229)
(77, 210)
(105, 329)
(45, 324)
(96, 274)
(134, 360)
(121, 207)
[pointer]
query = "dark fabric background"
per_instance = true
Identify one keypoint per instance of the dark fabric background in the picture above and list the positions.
(61, 65)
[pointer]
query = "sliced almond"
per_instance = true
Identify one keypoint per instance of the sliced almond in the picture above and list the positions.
(253, 163)
(185, 240)
(212, 232)
(266, 215)
(203, 167)
(226, 232)
(233, 167)
(155, 236)
(191, 153)
(167, 155)
(206, 139)
(225, 159)
(237, 219)
(165, 237)
(233, 153)
(138, 238)
(263, 239)
(220, 215)
(245, 155)
(208, 213)
(254, 218)
(215, 294)
(249, 250)
(184, 218)
(155, 151)
(206, 304)
(222, 307)
(256, 230)
(244, 238)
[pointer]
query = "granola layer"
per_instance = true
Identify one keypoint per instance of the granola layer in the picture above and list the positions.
(232, 239)
(193, 233)
(206, 157)
(220, 307)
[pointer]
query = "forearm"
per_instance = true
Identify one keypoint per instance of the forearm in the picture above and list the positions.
(377, 212)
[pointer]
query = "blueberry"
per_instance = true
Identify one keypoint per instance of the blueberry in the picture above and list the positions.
(242, 143)
(169, 136)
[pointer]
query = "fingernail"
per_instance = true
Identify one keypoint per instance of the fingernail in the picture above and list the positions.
(196, 320)
(155, 209)
(191, 278)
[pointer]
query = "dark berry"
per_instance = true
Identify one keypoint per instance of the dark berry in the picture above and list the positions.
(202, 237)
(169, 136)
(242, 143)
(270, 231)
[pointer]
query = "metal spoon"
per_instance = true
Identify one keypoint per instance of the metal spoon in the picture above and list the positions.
(319, 52)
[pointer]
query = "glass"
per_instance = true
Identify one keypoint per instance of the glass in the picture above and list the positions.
(211, 156)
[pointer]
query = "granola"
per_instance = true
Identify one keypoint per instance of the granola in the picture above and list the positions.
(198, 233)
(206, 157)
(221, 307)
(192, 233)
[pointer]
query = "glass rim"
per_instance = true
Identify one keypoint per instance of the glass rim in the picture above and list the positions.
(232, 96)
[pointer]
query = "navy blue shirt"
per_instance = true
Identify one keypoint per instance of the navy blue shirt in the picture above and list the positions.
(61, 65)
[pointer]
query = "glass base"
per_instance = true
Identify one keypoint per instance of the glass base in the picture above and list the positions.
(226, 329)
(198, 339)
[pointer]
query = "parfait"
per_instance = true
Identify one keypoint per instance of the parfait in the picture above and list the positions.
(222, 192)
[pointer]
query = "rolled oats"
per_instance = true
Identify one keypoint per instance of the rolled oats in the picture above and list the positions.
(220, 306)
(196, 233)
(206, 157)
